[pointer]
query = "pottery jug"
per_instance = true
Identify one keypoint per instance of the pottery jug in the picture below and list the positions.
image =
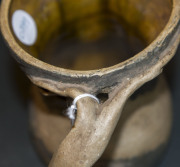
(113, 50)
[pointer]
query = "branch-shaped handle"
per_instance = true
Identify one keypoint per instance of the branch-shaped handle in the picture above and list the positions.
(94, 125)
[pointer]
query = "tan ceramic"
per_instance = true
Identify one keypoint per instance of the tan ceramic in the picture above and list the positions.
(146, 129)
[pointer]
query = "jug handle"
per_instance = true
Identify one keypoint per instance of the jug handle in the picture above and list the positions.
(95, 122)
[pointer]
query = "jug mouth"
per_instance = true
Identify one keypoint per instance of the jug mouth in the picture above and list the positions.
(35, 67)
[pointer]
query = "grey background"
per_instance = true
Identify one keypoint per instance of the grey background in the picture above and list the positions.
(16, 149)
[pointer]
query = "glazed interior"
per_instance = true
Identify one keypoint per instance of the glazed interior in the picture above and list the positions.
(92, 34)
